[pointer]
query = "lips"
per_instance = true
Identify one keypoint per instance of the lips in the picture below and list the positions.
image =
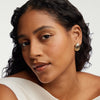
(40, 66)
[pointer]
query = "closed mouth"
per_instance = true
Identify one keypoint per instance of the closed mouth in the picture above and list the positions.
(40, 66)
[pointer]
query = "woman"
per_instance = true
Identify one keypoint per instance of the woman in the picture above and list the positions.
(51, 47)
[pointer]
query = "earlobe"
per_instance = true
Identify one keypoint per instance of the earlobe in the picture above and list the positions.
(76, 34)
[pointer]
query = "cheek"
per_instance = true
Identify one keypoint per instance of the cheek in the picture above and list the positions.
(58, 48)
(60, 51)
(25, 57)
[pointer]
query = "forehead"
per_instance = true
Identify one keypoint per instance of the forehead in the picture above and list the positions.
(33, 19)
(36, 16)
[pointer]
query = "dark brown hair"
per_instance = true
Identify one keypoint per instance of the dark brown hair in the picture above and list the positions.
(66, 14)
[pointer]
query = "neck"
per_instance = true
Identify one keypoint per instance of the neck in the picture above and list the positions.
(64, 86)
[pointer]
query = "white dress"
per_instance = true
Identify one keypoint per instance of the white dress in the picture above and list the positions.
(97, 98)
(27, 90)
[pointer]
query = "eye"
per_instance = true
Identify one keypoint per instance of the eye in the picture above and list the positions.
(24, 44)
(44, 37)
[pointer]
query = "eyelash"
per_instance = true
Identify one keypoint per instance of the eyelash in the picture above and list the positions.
(46, 36)
(43, 37)
(24, 44)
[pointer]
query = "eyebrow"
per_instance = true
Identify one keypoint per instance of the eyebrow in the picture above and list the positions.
(41, 28)
(35, 31)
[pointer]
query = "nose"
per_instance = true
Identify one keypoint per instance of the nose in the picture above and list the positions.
(35, 50)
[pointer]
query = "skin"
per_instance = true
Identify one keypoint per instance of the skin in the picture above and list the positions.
(48, 50)
(62, 66)
(47, 41)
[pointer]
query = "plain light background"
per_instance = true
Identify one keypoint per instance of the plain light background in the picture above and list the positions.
(90, 10)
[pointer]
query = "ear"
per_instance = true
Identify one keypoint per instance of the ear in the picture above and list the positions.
(76, 34)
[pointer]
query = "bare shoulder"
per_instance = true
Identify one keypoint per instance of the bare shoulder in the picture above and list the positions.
(90, 78)
(91, 83)
(6, 93)
(96, 80)
(26, 75)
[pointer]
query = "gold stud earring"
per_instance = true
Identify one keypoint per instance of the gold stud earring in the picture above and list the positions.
(77, 47)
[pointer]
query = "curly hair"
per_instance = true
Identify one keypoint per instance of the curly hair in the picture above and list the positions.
(67, 15)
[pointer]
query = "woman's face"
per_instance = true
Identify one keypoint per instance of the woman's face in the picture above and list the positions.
(47, 47)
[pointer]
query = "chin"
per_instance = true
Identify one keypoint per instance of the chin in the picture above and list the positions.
(45, 80)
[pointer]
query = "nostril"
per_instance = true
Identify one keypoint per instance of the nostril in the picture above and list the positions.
(34, 57)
